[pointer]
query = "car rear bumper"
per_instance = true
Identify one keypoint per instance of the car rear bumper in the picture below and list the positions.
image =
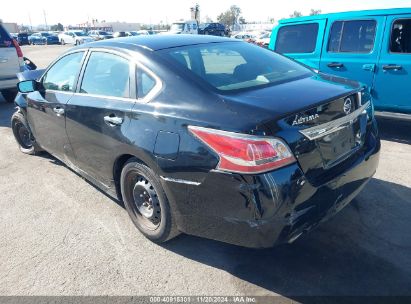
(8, 83)
(267, 209)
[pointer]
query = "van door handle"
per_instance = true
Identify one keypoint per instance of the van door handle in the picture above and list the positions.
(337, 65)
(112, 120)
(369, 67)
(59, 111)
(391, 67)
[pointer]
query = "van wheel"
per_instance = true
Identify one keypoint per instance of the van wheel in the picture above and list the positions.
(23, 135)
(9, 95)
(146, 202)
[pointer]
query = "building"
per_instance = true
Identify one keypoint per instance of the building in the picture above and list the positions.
(10, 27)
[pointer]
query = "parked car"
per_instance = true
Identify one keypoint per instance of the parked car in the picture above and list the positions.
(373, 47)
(263, 39)
(43, 38)
(216, 29)
(74, 37)
(246, 36)
(184, 27)
(23, 38)
(11, 63)
(99, 35)
(119, 34)
(186, 132)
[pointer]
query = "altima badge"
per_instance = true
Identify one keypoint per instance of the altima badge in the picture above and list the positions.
(303, 119)
(347, 105)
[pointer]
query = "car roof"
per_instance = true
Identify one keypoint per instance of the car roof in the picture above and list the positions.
(379, 12)
(158, 42)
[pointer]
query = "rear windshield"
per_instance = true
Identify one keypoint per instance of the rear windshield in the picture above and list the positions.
(232, 66)
(5, 39)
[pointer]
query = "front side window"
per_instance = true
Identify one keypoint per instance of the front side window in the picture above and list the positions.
(400, 41)
(354, 36)
(231, 66)
(301, 38)
(107, 75)
(62, 75)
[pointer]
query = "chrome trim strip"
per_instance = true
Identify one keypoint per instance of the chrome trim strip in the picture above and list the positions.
(180, 181)
(333, 126)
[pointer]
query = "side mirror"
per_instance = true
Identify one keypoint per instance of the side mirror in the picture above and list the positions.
(27, 86)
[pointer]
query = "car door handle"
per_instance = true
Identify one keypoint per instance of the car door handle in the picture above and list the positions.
(59, 111)
(337, 65)
(112, 120)
(392, 67)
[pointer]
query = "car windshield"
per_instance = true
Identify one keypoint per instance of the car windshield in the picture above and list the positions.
(103, 33)
(177, 27)
(79, 33)
(22, 35)
(232, 66)
(45, 34)
(204, 25)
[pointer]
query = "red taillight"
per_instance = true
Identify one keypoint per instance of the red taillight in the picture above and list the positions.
(18, 48)
(242, 153)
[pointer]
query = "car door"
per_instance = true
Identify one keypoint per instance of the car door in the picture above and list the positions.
(352, 47)
(46, 109)
(97, 115)
(300, 41)
(391, 89)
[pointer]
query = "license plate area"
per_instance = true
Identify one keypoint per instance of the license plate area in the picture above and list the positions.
(339, 145)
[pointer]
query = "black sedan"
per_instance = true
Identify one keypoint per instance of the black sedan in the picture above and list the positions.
(204, 135)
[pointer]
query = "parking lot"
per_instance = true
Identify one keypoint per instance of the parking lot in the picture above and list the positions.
(62, 236)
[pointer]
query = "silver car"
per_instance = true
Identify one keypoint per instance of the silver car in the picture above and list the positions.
(11, 63)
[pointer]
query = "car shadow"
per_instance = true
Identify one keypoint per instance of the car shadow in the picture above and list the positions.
(6, 111)
(397, 130)
(363, 251)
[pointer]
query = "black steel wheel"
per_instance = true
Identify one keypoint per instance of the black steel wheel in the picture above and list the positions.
(23, 135)
(146, 202)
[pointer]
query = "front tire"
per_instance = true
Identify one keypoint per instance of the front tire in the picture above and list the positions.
(23, 135)
(146, 202)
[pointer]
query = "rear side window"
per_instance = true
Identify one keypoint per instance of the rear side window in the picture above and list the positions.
(107, 75)
(301, 38)
(354, 36)
(145, 83)
(5, 39)
(62, 75)
(400, 41)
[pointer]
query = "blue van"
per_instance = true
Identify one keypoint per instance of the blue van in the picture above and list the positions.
(373, 47)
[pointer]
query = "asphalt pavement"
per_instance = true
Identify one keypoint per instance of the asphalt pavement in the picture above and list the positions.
(59, 235)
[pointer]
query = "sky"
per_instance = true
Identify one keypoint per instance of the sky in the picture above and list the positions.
(71, 12)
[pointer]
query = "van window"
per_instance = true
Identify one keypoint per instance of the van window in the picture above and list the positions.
(354, 36)
(400, 41)
(301, 38)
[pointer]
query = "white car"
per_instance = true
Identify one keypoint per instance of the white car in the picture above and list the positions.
(74, 37)
(11, 63)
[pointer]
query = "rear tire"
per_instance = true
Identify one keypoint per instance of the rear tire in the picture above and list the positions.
(146, 202)
(23, 135)
(9, 95)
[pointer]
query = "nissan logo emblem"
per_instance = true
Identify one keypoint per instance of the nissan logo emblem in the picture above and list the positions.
(347, 105)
